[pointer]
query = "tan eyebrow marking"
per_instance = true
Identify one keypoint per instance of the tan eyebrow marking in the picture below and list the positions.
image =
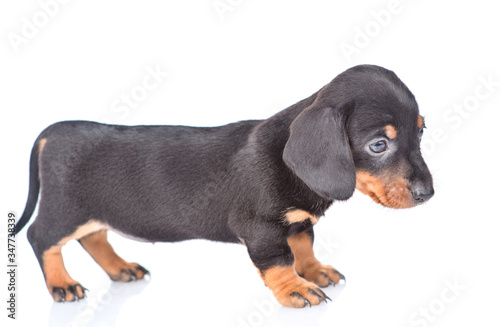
(420, 122)
(390, 131)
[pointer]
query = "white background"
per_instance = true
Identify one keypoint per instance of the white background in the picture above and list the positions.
(250, 61)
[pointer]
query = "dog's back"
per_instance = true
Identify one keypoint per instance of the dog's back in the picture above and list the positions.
(116, 174)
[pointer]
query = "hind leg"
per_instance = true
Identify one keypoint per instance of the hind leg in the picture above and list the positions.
(61, 286)
(98, 247)
(47, 241)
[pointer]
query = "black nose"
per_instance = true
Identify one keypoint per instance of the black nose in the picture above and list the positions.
(421, 194)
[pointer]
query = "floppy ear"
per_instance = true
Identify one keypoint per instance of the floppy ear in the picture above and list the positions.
(318, 152)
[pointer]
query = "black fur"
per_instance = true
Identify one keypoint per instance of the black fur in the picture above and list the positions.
(232, 183)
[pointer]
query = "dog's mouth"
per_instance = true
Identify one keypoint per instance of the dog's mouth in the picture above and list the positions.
(393, 193)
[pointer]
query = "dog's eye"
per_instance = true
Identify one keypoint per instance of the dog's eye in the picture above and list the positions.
(379, 146)
(421, 133)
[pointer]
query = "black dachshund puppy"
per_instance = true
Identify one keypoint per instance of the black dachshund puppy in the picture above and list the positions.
(262, 183)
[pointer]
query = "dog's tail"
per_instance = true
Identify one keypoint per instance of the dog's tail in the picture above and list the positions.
(34, 188)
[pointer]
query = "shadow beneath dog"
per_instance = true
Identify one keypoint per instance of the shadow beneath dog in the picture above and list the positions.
(97, 309)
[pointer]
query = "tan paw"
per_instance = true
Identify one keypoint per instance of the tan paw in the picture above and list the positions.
(67, 293)
(322, 275)
(128, 272)
(290, 289)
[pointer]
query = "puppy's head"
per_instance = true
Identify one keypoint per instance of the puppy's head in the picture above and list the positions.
(362, 131)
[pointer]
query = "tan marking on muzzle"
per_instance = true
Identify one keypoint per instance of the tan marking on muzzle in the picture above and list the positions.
(389, 191)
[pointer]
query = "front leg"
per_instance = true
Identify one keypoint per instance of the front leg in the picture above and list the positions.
(306, 263)
(274, 259)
